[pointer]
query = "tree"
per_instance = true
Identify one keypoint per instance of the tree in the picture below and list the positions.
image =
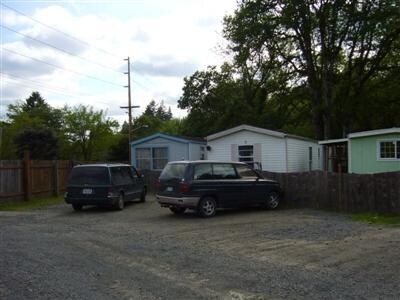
(41, 143)
(89, 132)
(37, 111)
(335, 47)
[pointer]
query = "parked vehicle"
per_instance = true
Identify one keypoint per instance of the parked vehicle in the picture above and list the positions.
(207, 185)
(104, 184)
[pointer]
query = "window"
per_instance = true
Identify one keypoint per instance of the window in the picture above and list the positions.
(389, 149)
(151, 158)
(202, 172)
(89, 175)
(224, 171)
(246, 172)
(143, 158)
(246, 154)
(160, 158)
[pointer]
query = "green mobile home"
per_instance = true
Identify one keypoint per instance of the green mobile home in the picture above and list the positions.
(364, 152)
(374, 151)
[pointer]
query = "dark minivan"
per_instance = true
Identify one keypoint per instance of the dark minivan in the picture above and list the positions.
(104, 184)
(207, 185)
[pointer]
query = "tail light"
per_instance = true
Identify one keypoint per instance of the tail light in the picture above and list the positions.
(183, 187)
(109, 191)
(158, 184)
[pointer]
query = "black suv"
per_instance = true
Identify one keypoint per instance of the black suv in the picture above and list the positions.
(207, 185)
(104, 184)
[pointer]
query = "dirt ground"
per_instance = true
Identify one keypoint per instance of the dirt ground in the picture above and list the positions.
(146, 252)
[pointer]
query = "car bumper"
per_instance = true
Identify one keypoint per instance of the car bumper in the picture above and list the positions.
(92, 201)
(187, 202)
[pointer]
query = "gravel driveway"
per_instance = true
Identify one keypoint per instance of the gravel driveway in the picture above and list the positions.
(145, 252)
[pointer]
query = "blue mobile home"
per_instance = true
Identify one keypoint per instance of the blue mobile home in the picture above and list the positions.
(154, 151)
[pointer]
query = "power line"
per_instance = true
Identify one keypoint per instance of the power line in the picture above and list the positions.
(55, 66)
(59, 49)
(47, 88)
(58, 30)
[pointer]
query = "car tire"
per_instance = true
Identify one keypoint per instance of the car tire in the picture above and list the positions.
(143, 196)
(207, 207)
(77, 207)
(177, 210)
(272, 201)
(119, 205)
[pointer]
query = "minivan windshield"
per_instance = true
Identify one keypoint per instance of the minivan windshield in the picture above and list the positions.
(172, 171)
(89, 176)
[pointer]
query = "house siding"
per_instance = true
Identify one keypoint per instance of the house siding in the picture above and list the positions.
(298, 155)
(363, 155)
(272, 149)
(176, 150)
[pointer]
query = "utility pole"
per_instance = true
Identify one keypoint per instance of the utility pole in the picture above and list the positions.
(129, 107)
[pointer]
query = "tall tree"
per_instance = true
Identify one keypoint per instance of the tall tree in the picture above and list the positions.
(41, 143)
(90, 132)
(336, 47)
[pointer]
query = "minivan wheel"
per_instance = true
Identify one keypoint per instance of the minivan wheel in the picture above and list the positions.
(207, 207)
(177, 210)
(272, 201)
(120, 203)
(77, 207)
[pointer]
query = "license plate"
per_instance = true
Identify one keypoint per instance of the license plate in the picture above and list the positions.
(169, 189)
(87, 191)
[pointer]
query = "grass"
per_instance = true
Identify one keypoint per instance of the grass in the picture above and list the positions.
(374, 218)
(31, 204)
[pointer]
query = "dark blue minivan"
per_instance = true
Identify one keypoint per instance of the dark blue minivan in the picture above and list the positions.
(207, 185)
(104, 184)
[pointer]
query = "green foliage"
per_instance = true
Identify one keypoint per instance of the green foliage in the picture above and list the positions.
(89, 132)
(31, 204)
(374, 218)
(336, 48)
(41, 143)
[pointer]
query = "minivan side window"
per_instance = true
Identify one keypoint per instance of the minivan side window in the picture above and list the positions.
(224, 171)
(246, 172)
(202, 172)
(121, 175)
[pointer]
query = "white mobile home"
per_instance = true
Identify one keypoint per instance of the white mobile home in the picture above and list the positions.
(265, 149)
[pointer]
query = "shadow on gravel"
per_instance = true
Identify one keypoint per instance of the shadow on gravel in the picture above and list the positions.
(221, 214)
(103, 209)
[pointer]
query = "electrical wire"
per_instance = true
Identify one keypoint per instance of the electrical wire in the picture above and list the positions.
(59, 49)
(50, 89)
(55, 66)
(58, 30)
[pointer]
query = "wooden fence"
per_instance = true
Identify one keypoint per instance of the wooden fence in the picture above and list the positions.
(27, 179)
(341, 192)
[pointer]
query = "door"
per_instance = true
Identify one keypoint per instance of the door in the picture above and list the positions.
(227, 184)
(138, 182)
(252, 189)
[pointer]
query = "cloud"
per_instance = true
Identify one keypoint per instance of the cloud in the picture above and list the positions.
(168, 69)
(164, 45)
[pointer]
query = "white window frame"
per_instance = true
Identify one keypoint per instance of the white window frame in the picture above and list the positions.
(240, 156)
(151, 158)
(378, 150)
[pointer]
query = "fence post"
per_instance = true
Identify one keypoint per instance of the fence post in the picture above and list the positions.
(27, 176)
(56, 190)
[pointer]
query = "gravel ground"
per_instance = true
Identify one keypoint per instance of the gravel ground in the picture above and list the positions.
(145, 252)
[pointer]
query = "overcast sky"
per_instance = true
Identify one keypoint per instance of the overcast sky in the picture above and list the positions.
(165, 39)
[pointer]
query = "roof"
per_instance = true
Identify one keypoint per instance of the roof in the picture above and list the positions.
(336, 141)
(175, 138)
(206, 161)
(374, 132)
(256, 130)
(105, 165)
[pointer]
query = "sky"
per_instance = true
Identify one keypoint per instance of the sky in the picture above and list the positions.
(73, 52)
